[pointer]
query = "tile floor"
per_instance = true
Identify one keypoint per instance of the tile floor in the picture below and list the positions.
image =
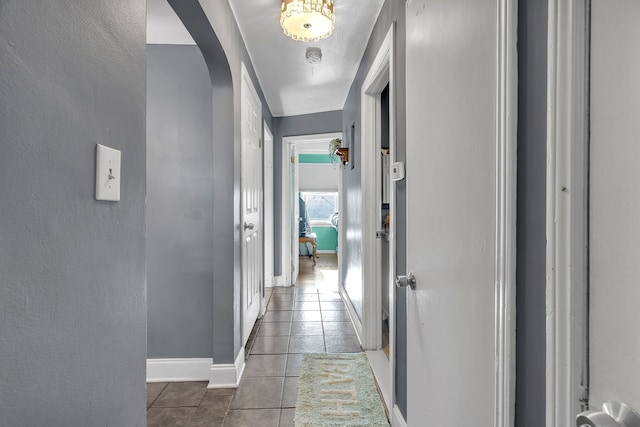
(307, 318)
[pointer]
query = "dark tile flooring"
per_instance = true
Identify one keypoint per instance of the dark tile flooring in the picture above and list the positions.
(308, 318)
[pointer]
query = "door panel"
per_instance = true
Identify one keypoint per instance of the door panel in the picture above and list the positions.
(251, 182)
(614, 212)
(452, 209)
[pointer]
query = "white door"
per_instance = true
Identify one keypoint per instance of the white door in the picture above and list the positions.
(268, 207)
(251, 182)
(295, 215)
(459, 173)
(614, 205)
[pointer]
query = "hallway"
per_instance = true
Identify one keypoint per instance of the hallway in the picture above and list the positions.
(307, 318)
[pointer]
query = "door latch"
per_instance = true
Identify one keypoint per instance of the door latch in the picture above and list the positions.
(613, 414)
(404, 281)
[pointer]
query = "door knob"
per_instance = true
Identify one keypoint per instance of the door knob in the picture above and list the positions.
(404, 281)
(248, 226)
(613, 414)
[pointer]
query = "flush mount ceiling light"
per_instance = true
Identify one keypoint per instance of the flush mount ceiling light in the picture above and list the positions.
(307, 20)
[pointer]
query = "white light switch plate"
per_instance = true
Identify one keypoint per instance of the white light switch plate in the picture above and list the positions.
(107, 173)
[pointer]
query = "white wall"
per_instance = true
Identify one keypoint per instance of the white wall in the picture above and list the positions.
(318, 177)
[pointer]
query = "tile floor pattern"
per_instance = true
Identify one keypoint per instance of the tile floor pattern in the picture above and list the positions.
(298, 320)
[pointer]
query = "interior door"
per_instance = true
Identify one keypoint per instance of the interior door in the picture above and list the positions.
(251, 184)
(614, 203)
(295, 215)
(453, 162)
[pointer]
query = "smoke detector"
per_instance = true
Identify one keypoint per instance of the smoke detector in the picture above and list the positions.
(314, 55)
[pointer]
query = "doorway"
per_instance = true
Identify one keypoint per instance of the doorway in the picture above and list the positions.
(293, 149)
(378, 231)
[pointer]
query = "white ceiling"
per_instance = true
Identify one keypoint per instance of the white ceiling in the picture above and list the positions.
(292, 86)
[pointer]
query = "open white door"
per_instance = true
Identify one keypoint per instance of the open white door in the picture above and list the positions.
(251, 183)
(460, 176)
(614, 204)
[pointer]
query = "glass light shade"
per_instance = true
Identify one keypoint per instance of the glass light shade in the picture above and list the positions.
(307, 20)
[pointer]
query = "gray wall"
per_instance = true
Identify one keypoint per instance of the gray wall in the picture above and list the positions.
(305, 124)
(213, 27)
(180, 223)
(392, 11)
(72, 269)
(530, 273)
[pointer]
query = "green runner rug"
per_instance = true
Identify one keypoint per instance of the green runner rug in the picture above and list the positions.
(338, 390)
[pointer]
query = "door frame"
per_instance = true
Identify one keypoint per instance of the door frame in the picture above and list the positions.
(567, 209)
(267, 211)
(381, 72)
(287, 237)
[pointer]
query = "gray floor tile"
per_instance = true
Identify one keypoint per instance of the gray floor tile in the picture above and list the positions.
(153, 391)
(332, 306)
(335, 316)
(218, 401)
(274, 329)
(277, 316)
(306, 297)
(281, 305)
(270, 345)
(253, 417)
(306, 316)
(208, 416)
(294, 365)
(306, 305)
(169, 417)
(306, 328)
(259, 393)
(265, 365)
(338, 328)
(282, 290)
(287, 417)
(342, 344)
(181, 394)
(305, 290)
(306, 344)
(290, 393)
(330, 296)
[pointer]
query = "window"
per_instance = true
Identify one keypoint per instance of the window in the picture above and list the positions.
(320, 206)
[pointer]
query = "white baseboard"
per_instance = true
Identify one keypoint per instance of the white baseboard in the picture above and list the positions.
(227, 375)
(176, 370)
(325, 251)
(397, 420)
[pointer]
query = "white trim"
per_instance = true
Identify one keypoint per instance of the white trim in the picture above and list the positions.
(286, 237)
(566, 223)
(325, 251)
(377, 78)
(381, 73)
(279, 281)
(227, 375)
(178, 370)
(506, 185)
(397, 420)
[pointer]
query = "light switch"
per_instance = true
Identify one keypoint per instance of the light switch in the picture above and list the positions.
(107, 173)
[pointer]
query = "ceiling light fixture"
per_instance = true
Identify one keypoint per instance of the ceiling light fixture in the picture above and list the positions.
(307, 20)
